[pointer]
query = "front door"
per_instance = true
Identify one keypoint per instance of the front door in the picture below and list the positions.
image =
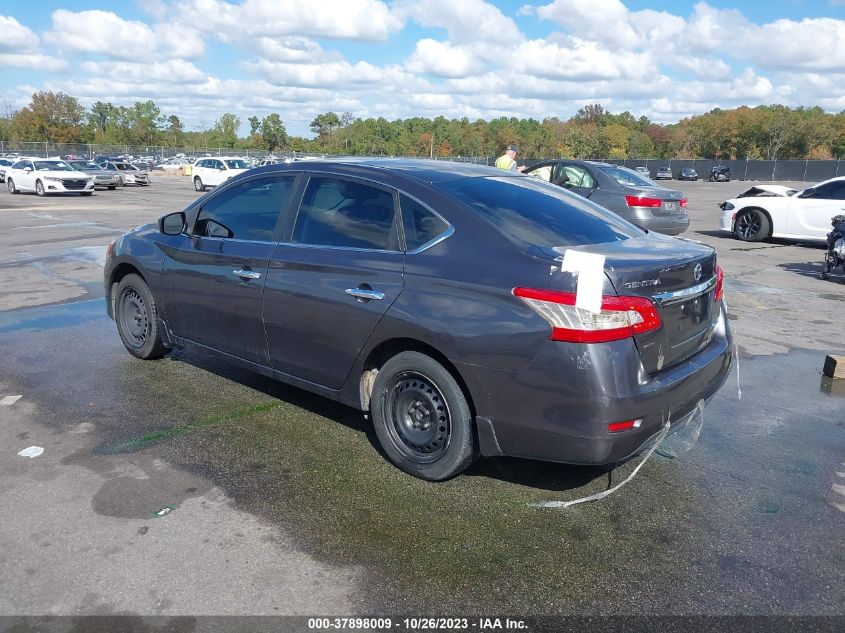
(811, 216)
(214, 276)
(331, 282)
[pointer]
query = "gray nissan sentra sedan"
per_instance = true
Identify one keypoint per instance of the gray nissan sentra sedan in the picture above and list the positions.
(431, 294)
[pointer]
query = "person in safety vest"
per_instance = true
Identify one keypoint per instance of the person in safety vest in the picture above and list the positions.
(508, 159)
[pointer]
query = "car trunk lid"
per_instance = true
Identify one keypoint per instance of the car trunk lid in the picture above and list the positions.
(679, 277)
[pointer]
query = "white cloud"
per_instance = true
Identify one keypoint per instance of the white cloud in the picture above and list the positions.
(332, 74)
(34, 61)
(442, 59)
(293, 50)
(106, 33)
(16, 37)
(367, 20)
(580, 59)
(464, 20)
(170, 71)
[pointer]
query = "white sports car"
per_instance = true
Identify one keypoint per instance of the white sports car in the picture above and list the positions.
(765, 211)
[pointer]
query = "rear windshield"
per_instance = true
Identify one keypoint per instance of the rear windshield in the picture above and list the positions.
(625, 176)
(531, 212)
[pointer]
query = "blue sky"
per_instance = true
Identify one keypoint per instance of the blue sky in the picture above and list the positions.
(401, 58)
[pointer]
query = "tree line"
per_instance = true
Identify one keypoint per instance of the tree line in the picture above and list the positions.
(763, 132)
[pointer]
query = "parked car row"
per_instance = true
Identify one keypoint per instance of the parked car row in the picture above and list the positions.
(46, 176)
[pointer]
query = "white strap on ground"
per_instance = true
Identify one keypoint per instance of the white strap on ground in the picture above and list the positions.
(609, 491)
(8, 401)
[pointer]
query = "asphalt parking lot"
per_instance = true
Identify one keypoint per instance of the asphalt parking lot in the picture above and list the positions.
(186, 486)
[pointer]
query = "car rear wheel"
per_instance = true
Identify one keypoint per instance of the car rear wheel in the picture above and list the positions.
(136, 317)
(39, 188)
(10, 184)
(752, 225)
(422, 417)
(198, 184)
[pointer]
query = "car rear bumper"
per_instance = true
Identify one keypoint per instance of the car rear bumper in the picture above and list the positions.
(666, 224)
(558, 408)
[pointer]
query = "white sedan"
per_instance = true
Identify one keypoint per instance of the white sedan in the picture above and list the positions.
(765, 211)
(44, 176)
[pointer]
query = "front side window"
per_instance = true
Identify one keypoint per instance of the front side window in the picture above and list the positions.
(247, 211)
(573, 176)
(21, 164)
(420, 223)
(542, 173)
(347, 214)
(831, 191)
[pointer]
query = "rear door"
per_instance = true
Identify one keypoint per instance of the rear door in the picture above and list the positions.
(214, 276)
(331, 281)
(811, 216)
(576, 178)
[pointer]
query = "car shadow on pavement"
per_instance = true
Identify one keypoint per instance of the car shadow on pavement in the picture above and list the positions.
(540, 475)
(813, 270)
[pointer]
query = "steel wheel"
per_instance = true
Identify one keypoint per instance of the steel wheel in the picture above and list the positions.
(39, 188)
(134, 320)
(418, 416)
(422, 417)
(198, 184)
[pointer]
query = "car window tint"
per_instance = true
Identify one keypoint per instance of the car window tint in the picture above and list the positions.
(247, 211)
(421, 224)
(543, 173)
(349, 214)
(531, 212)
(831, 191)
(19, 165)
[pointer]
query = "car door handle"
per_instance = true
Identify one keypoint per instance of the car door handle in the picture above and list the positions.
(247, 274)
(364, 293)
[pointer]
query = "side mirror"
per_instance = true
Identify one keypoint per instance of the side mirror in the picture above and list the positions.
(27, 169)
(172, 224)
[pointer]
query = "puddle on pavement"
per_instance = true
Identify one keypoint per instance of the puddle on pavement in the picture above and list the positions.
(745, 522)
(52, 317)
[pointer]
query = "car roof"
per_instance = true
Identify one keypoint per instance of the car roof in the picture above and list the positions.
(422, 170)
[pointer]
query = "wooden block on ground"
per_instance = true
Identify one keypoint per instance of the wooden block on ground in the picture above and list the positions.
(834, 366)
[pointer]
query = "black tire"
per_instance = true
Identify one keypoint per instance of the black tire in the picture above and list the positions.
(422, 418)
(137, 319)
(198, 184)
(10, 184)
(39, 189)
(86, 193)
(112, 187)
(751, 225)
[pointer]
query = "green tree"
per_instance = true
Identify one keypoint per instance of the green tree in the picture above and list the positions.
(50, 116)
(225, 132)
(273, 132)
(324, 124)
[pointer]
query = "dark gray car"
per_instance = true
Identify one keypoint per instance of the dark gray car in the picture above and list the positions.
(624, 191)
(431, 294)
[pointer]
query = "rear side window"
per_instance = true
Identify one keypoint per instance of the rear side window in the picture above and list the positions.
(531, 212)
(421, 224)
(247, 211)
(347, 214)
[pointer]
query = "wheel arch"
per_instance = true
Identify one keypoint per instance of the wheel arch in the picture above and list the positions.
(389, 348)
(120, 271)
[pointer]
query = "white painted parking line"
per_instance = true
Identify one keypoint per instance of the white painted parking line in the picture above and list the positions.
(32, 451)
(8, 401)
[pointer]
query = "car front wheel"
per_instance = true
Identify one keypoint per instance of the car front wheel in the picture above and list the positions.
(752, 225)
(422, 418)
(136, 317)
(10, 184)
(198, 184)
(39, 188)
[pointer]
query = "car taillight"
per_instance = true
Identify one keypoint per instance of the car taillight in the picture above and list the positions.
(638, 201)
(720, 283)
(615, 427)
(619, 317)
(683, 203)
